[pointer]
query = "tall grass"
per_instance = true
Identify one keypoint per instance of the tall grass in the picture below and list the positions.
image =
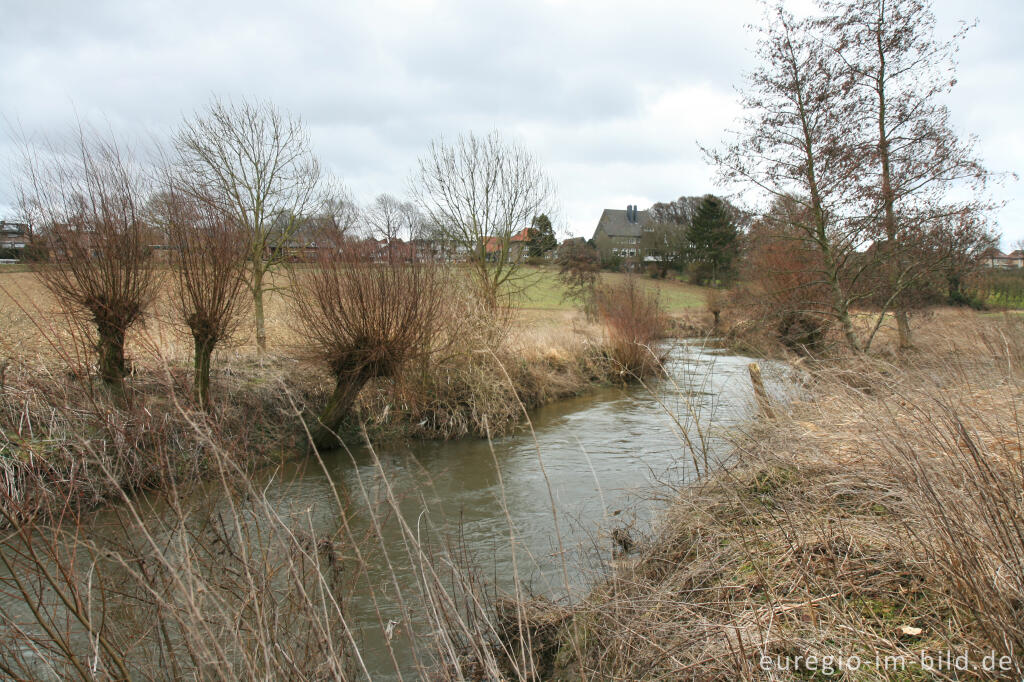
(879, 517)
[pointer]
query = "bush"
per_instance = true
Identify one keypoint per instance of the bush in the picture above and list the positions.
(782, 289)
(998, 288)
(802, 333)
(655, 271)
(611, 262)
(700, 274)
(635, 322)
(715, 302)
(35, 253)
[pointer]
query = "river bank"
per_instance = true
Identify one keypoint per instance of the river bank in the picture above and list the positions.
(311, 561)
(64, 436)
(863, 532)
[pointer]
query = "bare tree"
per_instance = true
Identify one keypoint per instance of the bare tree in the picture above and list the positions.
(391, 219)
(847, 124)
(210, 251)
(792, 150)
(364, 320)
(259, 164)
(579, 268)
(89, 195)
(898, 73)
(339, 216)
(481, 192)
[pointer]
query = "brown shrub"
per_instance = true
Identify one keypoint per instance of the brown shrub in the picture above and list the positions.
(783, 289)
(634, 321)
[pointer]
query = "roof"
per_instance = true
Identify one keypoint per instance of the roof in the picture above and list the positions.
(495, 244)
(13, 228)
(522, 235)
(613, 222)
(996, 254)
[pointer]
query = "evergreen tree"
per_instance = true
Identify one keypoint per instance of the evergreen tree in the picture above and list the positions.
(542, 236)
(712, 238)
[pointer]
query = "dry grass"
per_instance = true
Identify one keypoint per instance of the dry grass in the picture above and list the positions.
(480, 386)
(53, 412)
(32, 325)
(878, 517)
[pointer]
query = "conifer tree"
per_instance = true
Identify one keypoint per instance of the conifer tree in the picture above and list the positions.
(712, 237)
(542, 236)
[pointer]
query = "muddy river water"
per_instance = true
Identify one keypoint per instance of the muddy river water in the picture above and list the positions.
(535, 508)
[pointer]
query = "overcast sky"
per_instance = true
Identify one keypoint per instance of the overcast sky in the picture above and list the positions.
(612, 97)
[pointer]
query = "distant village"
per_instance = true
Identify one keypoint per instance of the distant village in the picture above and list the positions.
(629, 234)
(619, 234)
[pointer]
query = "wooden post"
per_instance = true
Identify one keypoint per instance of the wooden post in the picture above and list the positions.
(764, 403)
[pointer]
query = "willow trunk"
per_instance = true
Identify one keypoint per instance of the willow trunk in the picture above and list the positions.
(112, 366)
(325, 432)
(201, 387)
(257, 300)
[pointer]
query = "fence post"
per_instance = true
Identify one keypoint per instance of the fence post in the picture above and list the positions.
(764, 403)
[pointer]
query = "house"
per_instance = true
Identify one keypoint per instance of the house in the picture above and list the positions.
(395, 251)
(994, 258)
(518, 246)
(14, 237)
(624, 233)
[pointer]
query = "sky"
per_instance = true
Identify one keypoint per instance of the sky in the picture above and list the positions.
(612, 98)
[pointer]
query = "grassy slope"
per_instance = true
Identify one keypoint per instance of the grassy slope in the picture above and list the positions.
(543, 291)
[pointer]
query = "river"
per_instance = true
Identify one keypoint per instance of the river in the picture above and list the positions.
(553, 491)
(604, 460)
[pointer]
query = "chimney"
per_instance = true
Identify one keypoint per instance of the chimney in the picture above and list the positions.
(629, 213)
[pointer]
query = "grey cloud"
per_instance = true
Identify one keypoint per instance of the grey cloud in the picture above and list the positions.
(612, 96)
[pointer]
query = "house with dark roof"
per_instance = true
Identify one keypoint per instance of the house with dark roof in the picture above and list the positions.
(13, 235)
(14, 238)
(624, 233)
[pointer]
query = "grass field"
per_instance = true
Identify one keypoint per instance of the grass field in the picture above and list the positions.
(543, 291)
(31, 322)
